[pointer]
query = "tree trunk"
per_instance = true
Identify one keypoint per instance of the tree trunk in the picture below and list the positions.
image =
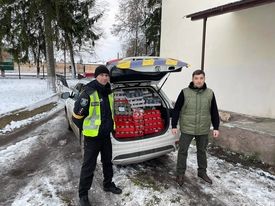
(146, 47)
(49, 46)
(136, 41)
(1, 59)
(35, 56)
(19, 70)
(64, 60)
(38, 62)
(71, 50)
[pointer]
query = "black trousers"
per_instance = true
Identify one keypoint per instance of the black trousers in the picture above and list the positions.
(92, 147)
(184, 143)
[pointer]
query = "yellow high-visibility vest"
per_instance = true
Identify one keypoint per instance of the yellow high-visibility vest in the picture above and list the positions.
(92, 122)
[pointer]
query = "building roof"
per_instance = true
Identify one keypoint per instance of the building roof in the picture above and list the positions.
(226, 8)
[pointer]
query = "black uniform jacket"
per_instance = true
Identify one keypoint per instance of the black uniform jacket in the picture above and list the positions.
(81, 107)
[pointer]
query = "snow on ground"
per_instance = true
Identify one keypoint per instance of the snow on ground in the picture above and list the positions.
(243, 186)
(24, 93)
(232, 185)
(14, 153)
(32, 195)
(19, 93)
(46, 184)
(144, 193)
(21, 123)
(28, 93)
(17, 124)
(44, 189)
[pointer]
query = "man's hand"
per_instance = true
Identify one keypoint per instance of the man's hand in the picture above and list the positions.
(216, 133)
(174, 131)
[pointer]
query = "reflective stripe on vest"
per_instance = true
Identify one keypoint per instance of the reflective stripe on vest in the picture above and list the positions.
(92, 122)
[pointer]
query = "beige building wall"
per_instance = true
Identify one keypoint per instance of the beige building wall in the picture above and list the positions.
(239, 58)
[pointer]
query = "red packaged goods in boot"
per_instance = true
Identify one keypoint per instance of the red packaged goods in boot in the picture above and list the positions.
(138, 114)
(153, 120)
(123, 118)
(153, 127)
(125, 134)
(139, 133)
(125, 127)
(139, 127)
(124, 101)
(152, 113)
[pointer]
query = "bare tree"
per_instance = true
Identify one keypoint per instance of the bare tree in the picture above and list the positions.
(132, 14)
(138, 24)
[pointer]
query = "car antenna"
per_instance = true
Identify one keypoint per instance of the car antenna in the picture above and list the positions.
(164, 82)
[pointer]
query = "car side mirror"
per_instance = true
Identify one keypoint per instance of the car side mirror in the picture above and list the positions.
(65, 95)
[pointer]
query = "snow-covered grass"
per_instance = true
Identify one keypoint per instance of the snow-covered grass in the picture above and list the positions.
(24, 95)
(19, 93)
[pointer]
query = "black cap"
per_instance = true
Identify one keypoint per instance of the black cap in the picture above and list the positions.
(101, 69)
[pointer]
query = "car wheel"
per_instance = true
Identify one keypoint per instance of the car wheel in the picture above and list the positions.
(68, 122)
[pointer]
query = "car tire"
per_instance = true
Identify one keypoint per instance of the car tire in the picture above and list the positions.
(68, 122)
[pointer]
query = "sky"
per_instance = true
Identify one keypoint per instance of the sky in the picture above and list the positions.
(109, 46)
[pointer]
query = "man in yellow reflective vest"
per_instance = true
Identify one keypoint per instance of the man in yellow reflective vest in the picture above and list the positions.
(93, 113)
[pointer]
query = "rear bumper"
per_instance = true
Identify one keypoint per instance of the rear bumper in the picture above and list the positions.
(141, 150)
(142, 156)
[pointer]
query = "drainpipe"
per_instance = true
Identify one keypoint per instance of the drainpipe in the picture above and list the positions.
(203, 43)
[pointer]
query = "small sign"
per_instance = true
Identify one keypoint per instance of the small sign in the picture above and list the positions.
(6, 66)
(121, 109)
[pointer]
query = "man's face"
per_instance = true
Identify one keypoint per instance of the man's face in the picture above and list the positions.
(103, 78)
(198, 80)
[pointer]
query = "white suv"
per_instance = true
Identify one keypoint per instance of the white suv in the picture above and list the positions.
(142, 110)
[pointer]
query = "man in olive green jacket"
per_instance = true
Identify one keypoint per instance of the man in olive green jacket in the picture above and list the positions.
(196, 108)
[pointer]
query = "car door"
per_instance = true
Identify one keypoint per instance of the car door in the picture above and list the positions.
(70, 105)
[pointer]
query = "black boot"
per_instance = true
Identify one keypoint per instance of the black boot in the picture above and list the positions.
(180, 179)
(205, 177)
(84, 201)
(112, 188)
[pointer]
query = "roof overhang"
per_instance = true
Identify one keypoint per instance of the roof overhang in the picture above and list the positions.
(231, 7)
